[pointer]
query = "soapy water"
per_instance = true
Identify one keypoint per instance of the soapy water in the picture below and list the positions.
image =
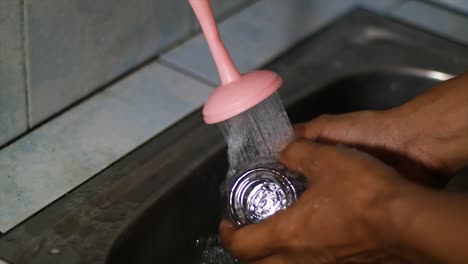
(258, 133)
(213, 252)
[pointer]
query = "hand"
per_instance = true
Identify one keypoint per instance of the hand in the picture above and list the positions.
(346, 211)
(427, 134)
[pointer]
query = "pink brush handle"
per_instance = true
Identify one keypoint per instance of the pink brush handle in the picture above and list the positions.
(226, 68)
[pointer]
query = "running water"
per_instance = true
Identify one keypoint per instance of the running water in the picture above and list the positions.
(259, 133)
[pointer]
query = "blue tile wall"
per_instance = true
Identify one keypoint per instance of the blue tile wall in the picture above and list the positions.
(76, 46)
(461, 5)
(13, 115)
(221, 7)
(432, 18)
(262, 31)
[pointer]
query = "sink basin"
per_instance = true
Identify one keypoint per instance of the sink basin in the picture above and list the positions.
(371, 90)
(191, 211)
(154, 204)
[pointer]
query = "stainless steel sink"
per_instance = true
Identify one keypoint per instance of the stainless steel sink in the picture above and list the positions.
(151, 206)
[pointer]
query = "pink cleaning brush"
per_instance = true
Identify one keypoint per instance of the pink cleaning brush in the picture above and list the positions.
(237, 93)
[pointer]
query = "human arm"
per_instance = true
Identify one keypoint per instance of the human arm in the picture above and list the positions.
(357, 208)
(430, 131)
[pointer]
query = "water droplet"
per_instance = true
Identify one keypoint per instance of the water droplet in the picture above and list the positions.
(214, 253)
(55, 251)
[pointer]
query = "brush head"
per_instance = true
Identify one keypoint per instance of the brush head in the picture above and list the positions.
(235, 97)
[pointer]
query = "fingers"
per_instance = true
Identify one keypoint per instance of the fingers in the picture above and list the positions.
(327, 128)
(313, 129)
(318, 161)
(250, 242)
(351, 128)
(309, 158)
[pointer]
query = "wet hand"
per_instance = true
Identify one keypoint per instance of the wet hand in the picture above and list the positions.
(344, 214)
(429, 133)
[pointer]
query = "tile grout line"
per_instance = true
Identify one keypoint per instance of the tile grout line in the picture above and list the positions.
(395, 7)
(443, 6)
(186, 73)
(26, 66)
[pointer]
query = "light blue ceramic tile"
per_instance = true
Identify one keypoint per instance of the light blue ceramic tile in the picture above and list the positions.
(381, 6)
(434, 19)
(58, 156)
(220, 7)
(262, 31)
(221, 10)
(258, 33)
(76, 46)
(461, 5)
(13, 119)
